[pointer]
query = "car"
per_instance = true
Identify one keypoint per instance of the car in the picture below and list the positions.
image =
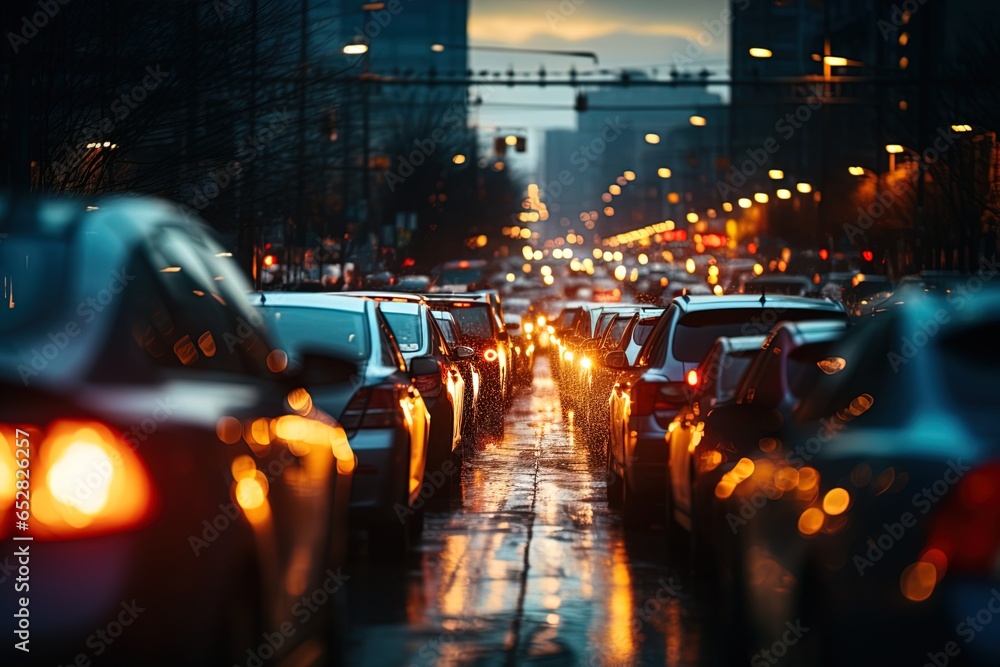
(481, 330)
(154, 428)
(650, 393)
(779, 284)
(470, 375)
(586, 379)
(457, 275)
(524, 349)
(744, 428)
(386, 418)
(712, 384)
(435, 375)
(412, 283)
(888, 545)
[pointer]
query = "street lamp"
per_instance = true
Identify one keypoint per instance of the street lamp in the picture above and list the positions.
(698, 121)
(663, 172)
(856, 171)
(758, 52)
(652, 138)
(804, 188)
(776, 174)
(893, 150)
(356, 48)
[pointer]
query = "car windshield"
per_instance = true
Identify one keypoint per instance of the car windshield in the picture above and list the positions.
(406, 328)
(338, 333)
(697, 331)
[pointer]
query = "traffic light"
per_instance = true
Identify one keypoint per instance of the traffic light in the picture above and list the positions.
(522, 144)
(269, 260)
(582, 104)
(499, 146)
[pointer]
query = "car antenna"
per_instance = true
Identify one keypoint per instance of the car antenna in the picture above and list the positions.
(263, 298)
(763, 295)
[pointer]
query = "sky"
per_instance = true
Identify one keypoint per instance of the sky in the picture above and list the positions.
(624, 33)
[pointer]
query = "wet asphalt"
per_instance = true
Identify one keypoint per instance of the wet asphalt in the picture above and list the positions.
(528, 567)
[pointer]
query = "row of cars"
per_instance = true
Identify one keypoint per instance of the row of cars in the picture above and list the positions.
(817, 475)
(186, 464)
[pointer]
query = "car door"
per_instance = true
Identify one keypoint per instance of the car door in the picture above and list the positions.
(198, 318)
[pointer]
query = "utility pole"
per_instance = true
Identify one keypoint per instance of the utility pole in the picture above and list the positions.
(300, 204)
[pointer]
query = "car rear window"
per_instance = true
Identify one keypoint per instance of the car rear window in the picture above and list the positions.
(473, 320)
(337, 333)
(697, 331)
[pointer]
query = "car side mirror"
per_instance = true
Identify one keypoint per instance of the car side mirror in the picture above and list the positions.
(460, 352)
(503, 336)
(615, 360)
(424, 366)
(512, 326)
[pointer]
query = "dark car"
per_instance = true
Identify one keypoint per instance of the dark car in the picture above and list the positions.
(481, 330)
(887, 546)
(470, 373)
(712, 385)
(739, 432)
(159, 444)
(650, 393)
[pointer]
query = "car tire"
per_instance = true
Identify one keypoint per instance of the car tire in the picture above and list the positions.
(241, 624)
(635, 514)
(678, 550)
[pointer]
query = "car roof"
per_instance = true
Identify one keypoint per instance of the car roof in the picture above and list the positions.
(408, 307)
(804, 333)
(332, 301)
(386, 296)
(740, 343)
(691, 303)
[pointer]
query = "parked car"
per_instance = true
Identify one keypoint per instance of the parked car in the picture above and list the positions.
(153, 429)
(386, 418)
(650, 393)
(887, 547)
(481, 330)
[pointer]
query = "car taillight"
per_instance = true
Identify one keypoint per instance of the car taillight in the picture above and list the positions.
(84, 480)
(648, 398)
(491, 355)
(965, 535)
(373, 407)
(692, 378)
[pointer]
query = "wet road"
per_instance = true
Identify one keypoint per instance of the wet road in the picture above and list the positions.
(529, 568)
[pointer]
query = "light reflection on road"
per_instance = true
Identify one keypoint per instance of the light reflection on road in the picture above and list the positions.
(530, 568)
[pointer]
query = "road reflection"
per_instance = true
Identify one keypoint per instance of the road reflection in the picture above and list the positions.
(529, 567)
